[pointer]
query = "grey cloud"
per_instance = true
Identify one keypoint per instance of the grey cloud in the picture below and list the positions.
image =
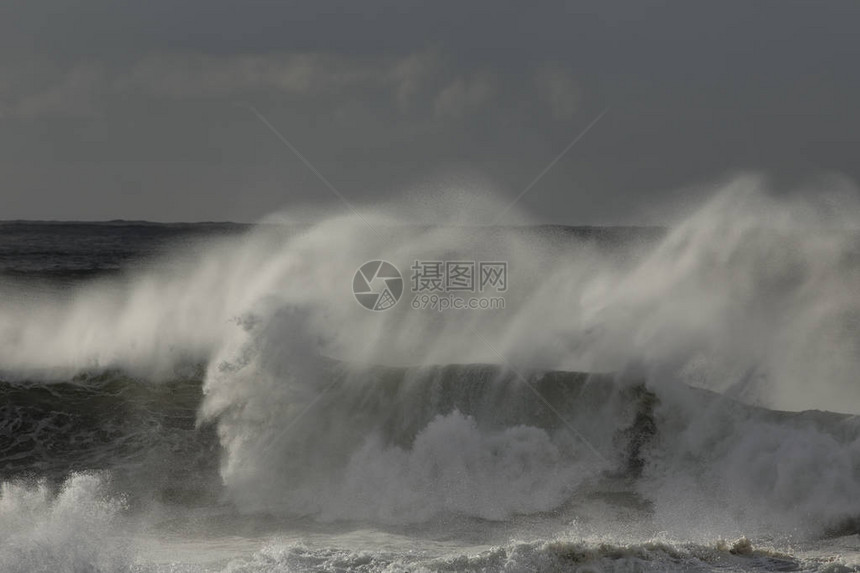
(301, 74)
(102, 98)
(559, 89)
(464, 95)
(76, 93)
(411, 75)
(82, 89)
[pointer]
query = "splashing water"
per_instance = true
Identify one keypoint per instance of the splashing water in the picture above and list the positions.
(330, 412)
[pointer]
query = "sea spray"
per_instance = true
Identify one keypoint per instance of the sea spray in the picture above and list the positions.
(749, 296)
(78, 528)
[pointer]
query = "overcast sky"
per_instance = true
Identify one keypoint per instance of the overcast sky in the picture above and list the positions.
(135, 109)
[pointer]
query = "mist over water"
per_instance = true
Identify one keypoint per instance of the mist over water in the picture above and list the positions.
(695, 339)
(748, 291)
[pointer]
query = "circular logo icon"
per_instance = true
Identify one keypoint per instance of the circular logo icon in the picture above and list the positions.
(377, 285)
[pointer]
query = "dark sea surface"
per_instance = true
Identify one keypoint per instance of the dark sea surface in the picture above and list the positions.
(81, 250)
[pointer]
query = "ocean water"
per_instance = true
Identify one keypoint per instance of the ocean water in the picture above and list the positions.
(213, 398)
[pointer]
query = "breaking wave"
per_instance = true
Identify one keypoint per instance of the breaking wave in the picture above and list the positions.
(252, 362)
(74, 528)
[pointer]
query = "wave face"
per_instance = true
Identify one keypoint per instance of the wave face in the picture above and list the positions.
(145, 434)
(237, 374)
(404, 446)
(409, 445)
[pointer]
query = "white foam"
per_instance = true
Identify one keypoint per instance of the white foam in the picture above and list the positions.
(76, 529)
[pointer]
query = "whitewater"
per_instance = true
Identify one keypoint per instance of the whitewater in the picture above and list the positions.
(214, 398)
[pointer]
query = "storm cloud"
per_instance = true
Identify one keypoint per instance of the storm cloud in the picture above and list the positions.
(140, 110)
